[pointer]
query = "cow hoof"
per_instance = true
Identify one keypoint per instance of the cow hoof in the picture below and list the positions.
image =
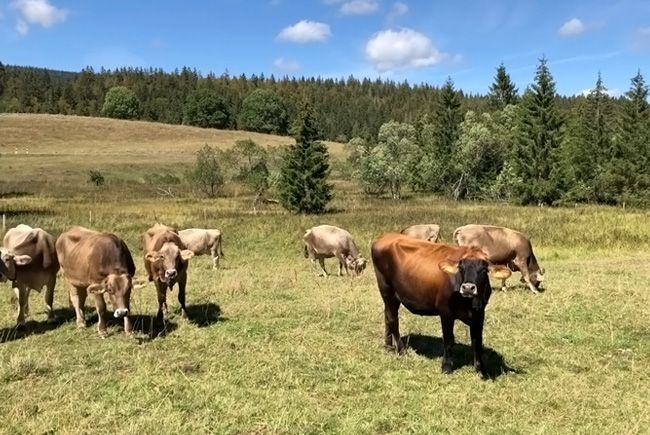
(81, 324)
(447, 368)
(102, 333)
(184, 315)
(51, 320)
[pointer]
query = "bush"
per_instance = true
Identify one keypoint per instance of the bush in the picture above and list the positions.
(121, 102)
(96, 178)
(206, 174)
(206, 108)
(263, 111)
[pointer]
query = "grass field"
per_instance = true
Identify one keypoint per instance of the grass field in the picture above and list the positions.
(271, 348)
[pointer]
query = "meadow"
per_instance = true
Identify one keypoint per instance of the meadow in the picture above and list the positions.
(272, 348)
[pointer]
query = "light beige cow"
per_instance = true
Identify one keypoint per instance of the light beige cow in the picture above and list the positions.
(428, 232)
(29, 262)
(504, 246)
(327, 241)
(202, 241)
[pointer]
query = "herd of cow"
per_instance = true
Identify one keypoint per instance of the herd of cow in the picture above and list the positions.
(412, 269)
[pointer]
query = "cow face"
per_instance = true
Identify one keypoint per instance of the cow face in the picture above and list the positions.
(167, 263)
(118, 287)
(356, 265)
(470, 278)
(536, 278)
(8, 263)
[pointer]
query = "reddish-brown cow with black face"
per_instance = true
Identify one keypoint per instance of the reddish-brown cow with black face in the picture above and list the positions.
(97, 263)
(506, 247)
(28, 260)
(166, 260)
(433, 280)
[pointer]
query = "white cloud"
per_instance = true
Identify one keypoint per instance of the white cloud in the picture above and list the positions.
(614, 93)
(39, 12)
(305, 31)
(402, 49)
(286, 64)
(359, 7)
(398, 10)
(573, 27)
(114, 57)
(21, 27)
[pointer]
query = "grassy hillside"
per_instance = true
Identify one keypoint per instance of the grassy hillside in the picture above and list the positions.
(271, 348)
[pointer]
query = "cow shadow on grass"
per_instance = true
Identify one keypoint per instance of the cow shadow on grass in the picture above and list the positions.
(204, 315)
(462, 354)
(34, 327)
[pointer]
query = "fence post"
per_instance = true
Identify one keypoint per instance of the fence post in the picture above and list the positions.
(4, 222)
(90, 217)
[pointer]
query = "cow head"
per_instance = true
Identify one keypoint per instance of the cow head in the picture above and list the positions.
(470, 278)
(168, 262)
(118, 287)
(536, 277)
(356, 265)
(8, 262)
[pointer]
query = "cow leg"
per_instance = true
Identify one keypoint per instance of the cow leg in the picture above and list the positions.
(476, 332)
(523, 268)
(321, 263)
(49, 299)
(391, 331)
(22, 295)
(78, 299)
(100, 305)
(161, 291)
(503, 285)
(181, 295)
(448, 340)
(215, 256)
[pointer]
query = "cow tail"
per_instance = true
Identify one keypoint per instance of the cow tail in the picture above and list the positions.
(304, 238)
(220, 244)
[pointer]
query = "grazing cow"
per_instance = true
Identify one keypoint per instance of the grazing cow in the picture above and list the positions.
(166, 262)
(97, 263)
(506, 247)
(201, 241)
(327, 241)
(433, 280)
(428, 232)
(28, 260)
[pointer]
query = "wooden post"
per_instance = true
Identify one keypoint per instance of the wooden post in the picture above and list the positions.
(4, 222)
(90, 217)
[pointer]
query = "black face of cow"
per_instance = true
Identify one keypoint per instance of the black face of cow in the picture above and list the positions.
(470, 280)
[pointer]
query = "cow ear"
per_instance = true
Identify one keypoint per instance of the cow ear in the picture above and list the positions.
(499, 272)
(22, 260)
(186, 254)
(449, 267)
(151, 256)
(96, 289)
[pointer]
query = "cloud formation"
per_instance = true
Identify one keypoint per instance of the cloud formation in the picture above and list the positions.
(305, 31)
(573, 27)
(402, 49)
(398, 10)
(286, 64)
(37, 12)
(359, 7)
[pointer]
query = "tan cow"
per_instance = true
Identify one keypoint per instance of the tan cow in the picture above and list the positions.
(506, 247)
(428, 232)
(166, 261)
(97, 263)
(327, 241)
(201, 241)
(29, 261)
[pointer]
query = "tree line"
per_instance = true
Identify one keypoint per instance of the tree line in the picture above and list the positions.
(533, 147)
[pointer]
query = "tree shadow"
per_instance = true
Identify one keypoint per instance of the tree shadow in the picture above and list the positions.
(33, 327)
(462, 354)
(203, 315)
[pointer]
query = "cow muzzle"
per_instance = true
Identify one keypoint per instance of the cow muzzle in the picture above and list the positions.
(171, 274)
(468, 290)
(120, 312)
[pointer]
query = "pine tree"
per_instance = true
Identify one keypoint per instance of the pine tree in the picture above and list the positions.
(303, 185)
(503, 91)
(536, 156)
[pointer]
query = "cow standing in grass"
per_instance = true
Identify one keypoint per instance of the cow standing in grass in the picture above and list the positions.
(327, 241)
(29, 261)
(166, 260)
(428, 232)
(201, 241)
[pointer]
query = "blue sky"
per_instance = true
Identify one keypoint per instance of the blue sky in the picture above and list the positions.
(414, 40)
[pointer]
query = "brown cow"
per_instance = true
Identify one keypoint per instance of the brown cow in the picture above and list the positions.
(428, 232)
(166, 261)
(506, 247)
(327, 241)
(202, 241)
(97, 263)
(433, 280)
(28, 259)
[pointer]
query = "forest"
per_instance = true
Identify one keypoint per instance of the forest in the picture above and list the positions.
(529, 146)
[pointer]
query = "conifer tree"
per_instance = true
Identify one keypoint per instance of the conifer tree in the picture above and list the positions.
(303, 185)
(536, 155)
(503, 91)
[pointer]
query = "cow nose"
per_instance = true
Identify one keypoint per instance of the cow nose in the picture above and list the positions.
(171, 273)
(120, 312)
(468, 289)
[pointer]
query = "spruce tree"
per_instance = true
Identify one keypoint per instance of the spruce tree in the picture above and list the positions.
(503, 91)
(448, 116)
(303, 185)
(536, 156)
